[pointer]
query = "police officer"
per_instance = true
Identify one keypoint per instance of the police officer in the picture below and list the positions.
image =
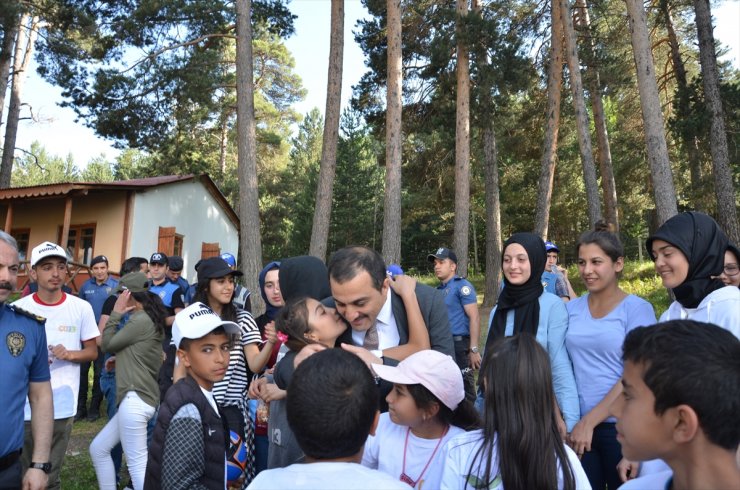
(462, 310)
(95, 291)
(24, 362)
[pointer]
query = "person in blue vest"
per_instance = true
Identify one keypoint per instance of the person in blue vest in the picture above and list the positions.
(462, 309)
(175, 265)
(172, 298)
(242, 295)
(95, 291)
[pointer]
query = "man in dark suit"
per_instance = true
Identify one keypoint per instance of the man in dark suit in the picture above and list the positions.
(363, 296)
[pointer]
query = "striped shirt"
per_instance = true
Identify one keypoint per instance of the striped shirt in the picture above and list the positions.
(232, 390)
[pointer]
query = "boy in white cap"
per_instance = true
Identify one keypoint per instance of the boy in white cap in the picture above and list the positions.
(189, 444)
(71, 331)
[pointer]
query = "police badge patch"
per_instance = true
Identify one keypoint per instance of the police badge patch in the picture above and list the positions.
(465, 290)
(16, 342)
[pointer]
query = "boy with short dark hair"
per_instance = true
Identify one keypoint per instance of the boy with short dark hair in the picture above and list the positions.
(680, 403)
(188, 448)
(332, 407)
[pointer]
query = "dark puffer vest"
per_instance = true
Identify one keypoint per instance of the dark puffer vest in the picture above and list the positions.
(215, 441)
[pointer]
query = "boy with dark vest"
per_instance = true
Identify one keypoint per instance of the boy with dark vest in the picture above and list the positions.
(189, 444)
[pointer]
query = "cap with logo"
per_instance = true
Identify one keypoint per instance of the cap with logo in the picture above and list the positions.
(158, 258)
(441, 254)
(436, 372)
(198, 320)
(214, 267)
(47, 249)
(229, 259)
(136, 282)
(551, 247)
(99, 259)
(175, 263)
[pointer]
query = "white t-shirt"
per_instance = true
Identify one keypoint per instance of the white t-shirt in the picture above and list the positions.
(329, 476)
(384, 452)
(69, 322)
(655, 481)
(461, 450)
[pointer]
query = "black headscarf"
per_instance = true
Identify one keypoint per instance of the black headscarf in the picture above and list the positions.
(703, 243)
(304, 276)
(523, 299)
(271, 310)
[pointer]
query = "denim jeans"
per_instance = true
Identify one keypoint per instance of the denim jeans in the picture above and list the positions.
(600, 463)
(128, 426)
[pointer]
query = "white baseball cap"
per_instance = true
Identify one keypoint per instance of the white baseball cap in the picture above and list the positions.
(47, 249)
(198, 320)
(437, 372)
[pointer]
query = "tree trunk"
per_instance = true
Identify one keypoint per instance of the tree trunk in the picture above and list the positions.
(652, 116)
(322, 211)
(608, 186)
(6, 57)
(582, 122)
(392, 206)
(25, 39)
(223, 144)
(462, 146)
(723, 188)
(250, 243)
(493, 218)
(550, 145)
(683, 110)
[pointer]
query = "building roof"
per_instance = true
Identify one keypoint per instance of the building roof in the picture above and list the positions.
(67, 188)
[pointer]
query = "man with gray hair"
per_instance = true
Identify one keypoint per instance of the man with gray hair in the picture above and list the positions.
(24, 363)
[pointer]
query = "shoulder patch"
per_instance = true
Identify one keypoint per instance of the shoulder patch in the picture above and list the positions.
(27, 314)
(465, 290)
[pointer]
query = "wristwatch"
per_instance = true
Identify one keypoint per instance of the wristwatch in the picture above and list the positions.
(474, 350)
(45, 467)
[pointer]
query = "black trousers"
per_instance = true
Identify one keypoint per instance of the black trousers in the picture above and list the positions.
(97, 394)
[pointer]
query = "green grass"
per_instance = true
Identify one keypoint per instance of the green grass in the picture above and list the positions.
(77, 471)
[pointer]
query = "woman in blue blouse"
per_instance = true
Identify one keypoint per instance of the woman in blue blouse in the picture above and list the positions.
(525, 307)
(598, 323)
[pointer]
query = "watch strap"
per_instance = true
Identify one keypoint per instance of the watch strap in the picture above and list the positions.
(45, 467)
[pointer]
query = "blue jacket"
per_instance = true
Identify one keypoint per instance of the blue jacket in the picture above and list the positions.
(551, 332)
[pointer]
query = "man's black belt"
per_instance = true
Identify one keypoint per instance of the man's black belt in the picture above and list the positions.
(460, 338)
(9, 459)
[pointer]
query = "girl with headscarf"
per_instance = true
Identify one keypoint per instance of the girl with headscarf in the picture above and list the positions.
(524, 307)
(689, 255)
(269, 280)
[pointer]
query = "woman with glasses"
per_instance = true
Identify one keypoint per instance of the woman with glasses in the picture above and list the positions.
(731, 273)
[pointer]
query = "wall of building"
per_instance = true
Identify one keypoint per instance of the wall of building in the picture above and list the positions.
(195, 214)
(44, 217)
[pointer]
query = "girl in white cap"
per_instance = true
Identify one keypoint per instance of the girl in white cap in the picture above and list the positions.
(427, 408)
(519, 445)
